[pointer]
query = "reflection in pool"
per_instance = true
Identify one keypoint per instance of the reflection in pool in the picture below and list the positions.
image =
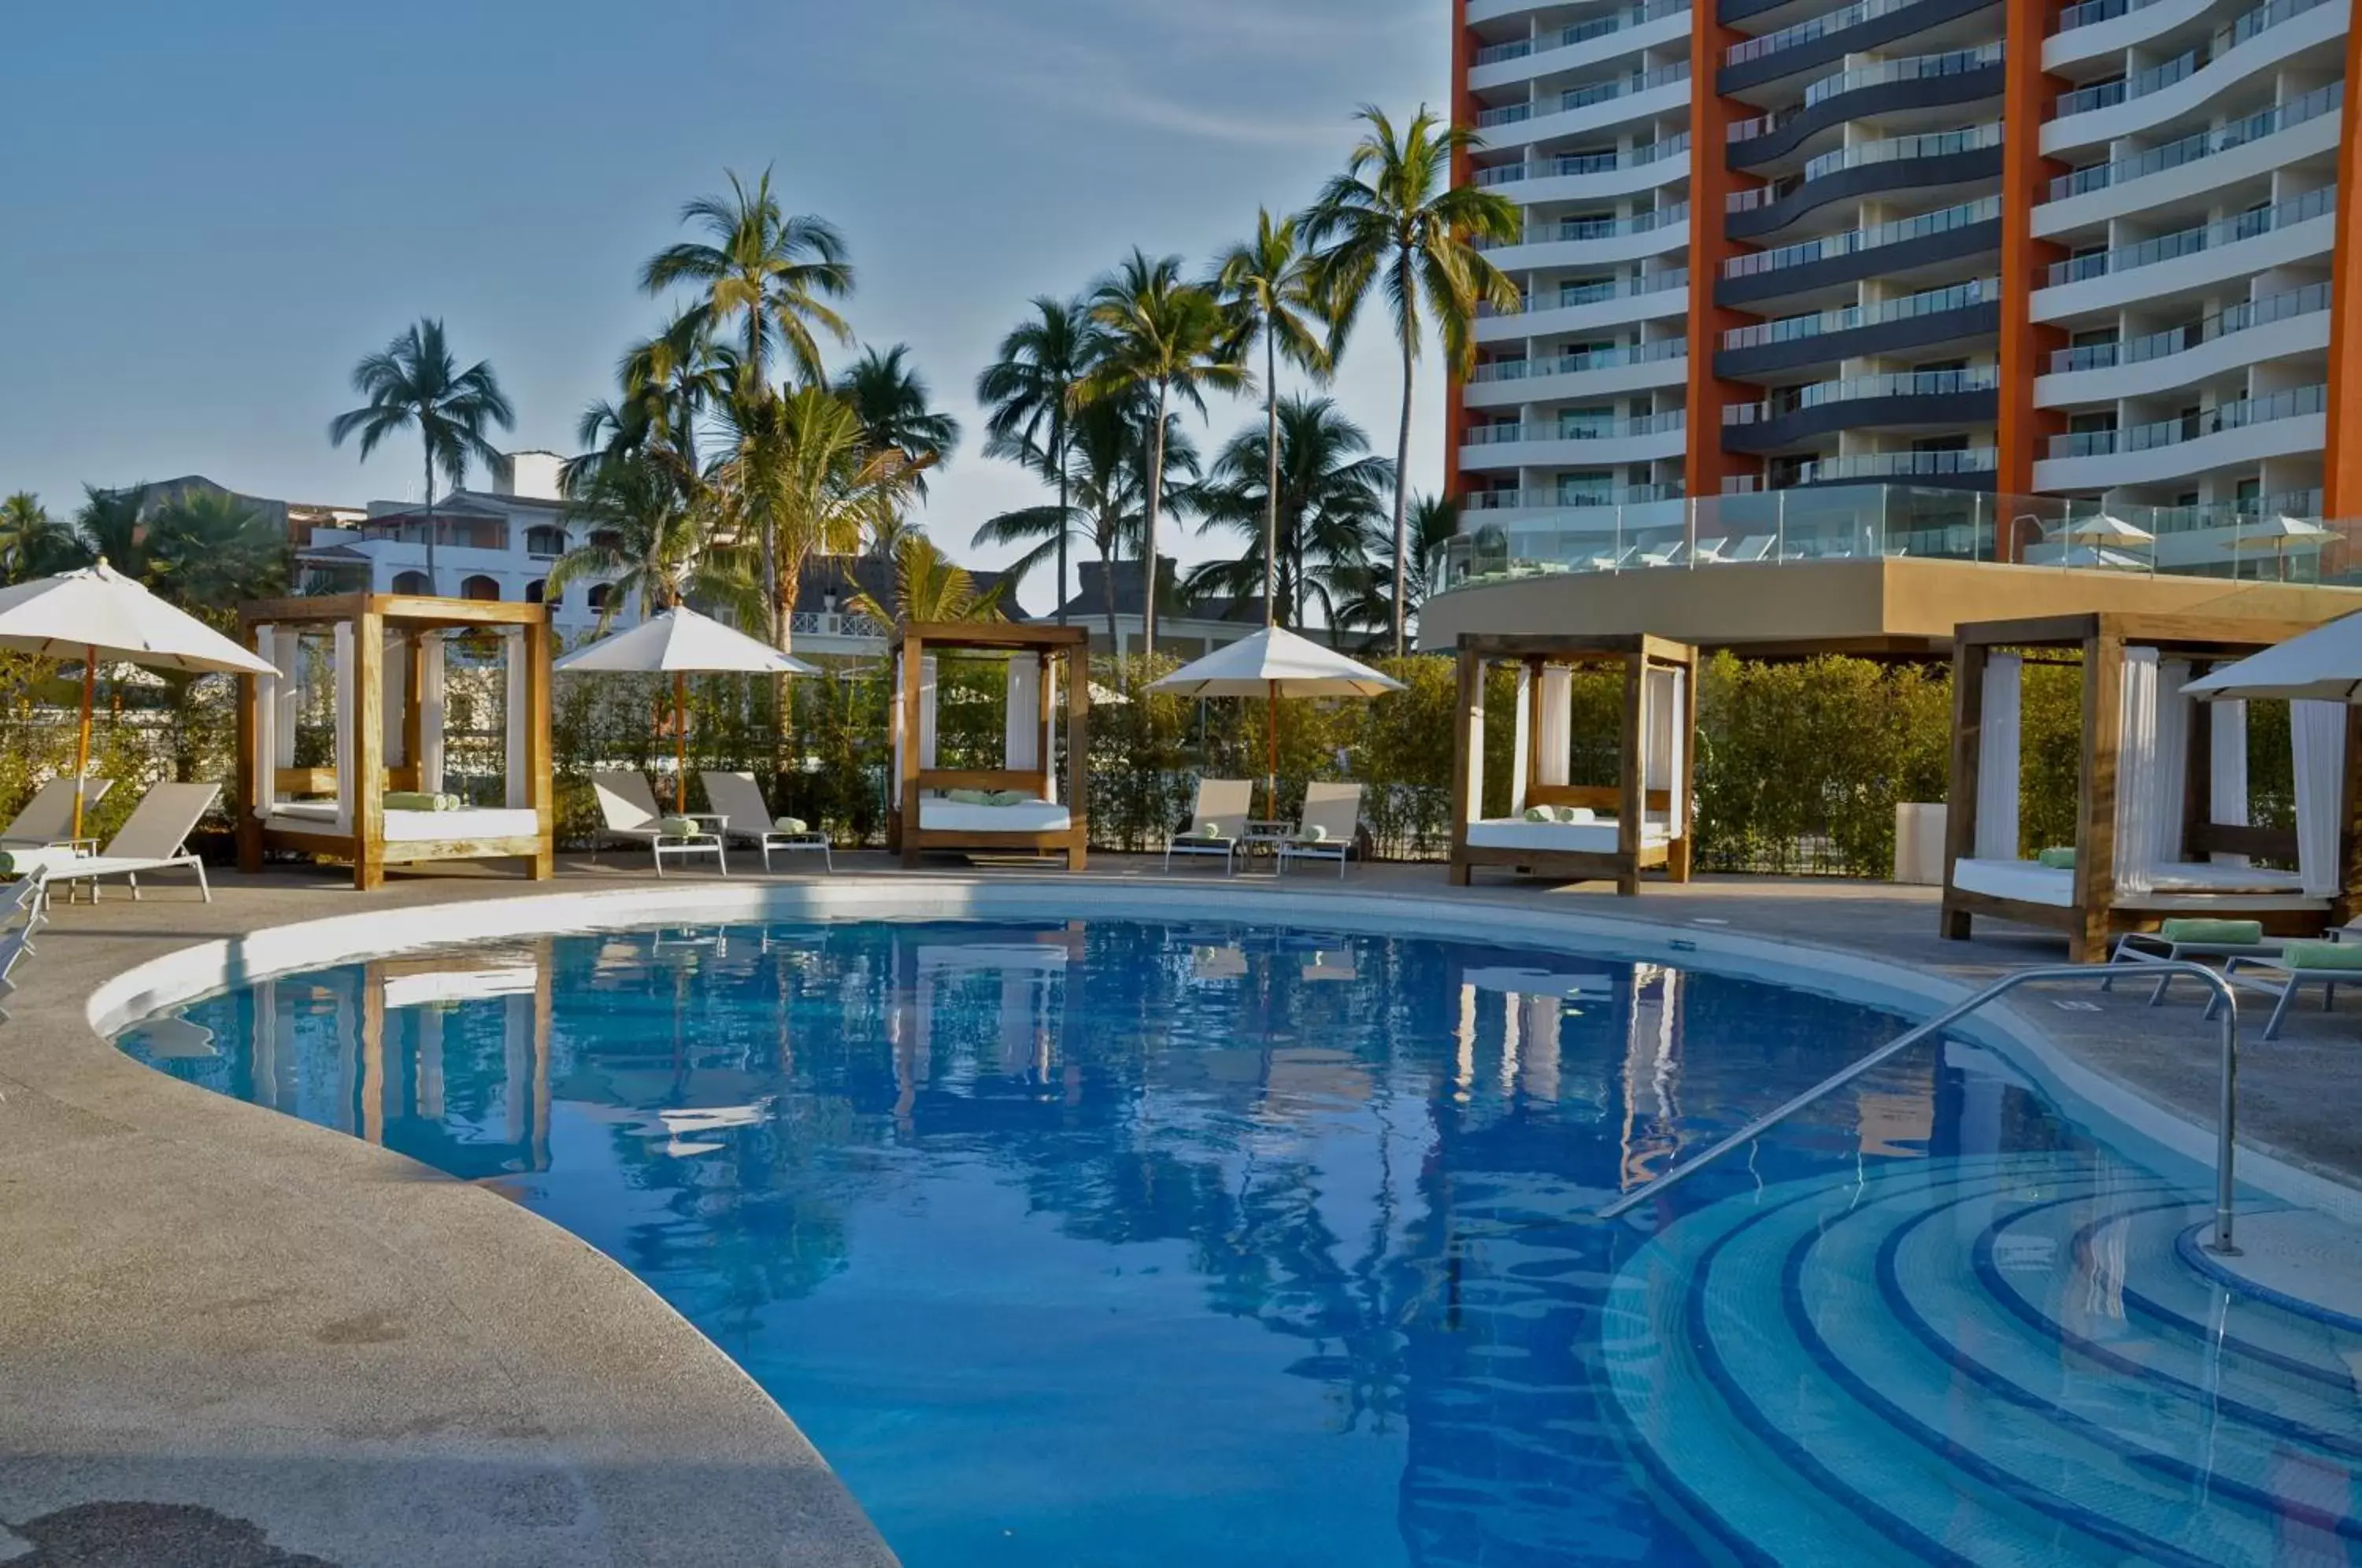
(1118, 1242)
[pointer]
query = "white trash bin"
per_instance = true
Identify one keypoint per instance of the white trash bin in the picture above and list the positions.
(1919, 843)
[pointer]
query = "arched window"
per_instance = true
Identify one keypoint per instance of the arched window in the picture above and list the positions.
(535, 589)
(410, 582)
(544, 539)
(479, 587)
(599, 591)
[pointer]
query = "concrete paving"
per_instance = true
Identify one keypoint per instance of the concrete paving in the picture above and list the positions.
(230, 1337)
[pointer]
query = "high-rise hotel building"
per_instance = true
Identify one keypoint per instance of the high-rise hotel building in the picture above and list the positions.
(1970, 271)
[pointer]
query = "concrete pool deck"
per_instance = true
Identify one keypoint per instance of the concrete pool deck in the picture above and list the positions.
(229, 1337)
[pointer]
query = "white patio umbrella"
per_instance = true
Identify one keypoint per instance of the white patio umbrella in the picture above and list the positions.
(2104, 529)
(1272, 664)
(681, 643)
(2323, 665)
(2280, 536)
(98, 615)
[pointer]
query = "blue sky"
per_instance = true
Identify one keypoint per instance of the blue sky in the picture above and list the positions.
(211, 211)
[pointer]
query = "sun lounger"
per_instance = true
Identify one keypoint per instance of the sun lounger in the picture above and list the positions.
(738, 800)
(629, 811)
(155, 837)
(1219, 823)
(2299, 963)
(1754, 548)
(2180, 941)
(1332, 817)
(48, 818)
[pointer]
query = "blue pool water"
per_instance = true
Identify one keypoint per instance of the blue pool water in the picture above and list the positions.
(1118, 1242)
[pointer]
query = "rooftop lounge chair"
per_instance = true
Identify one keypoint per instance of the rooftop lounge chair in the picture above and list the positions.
(629, 811)
(1219, 823)
(48, 818)
(1754, 548)
(738, 800)
(1332, 817)
(155, 837)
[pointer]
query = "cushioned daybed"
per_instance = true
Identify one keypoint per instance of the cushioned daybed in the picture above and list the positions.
(938, 808)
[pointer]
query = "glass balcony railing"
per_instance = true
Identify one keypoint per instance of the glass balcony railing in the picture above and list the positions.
(1581, 33)
(2309, 300)
(1893, 149)
(1851, 389)
(1584, 97)
(1927, 302)
(1577, 429)
(2203, 144)
(1984, 209)
(1586, 162)
(1564, 229)
(1574, 294)
(2191, 241)
(2294, 403)
(1813, 27)
(1571, 499)
(1588, 359)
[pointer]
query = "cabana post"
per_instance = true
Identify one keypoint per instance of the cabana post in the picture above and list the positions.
(1651, 801)
(390, 695)
(924, 817)
(2162, 827)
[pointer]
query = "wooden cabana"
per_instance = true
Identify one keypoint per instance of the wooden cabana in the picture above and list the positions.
(2162, 819)
(1640, 823)
(385, 656)
(926, 814)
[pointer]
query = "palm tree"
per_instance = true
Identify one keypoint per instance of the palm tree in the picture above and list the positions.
(1368, 594)
(929, 586)
(1329, 502)
(770, 273)
(891, 399)
(1107, 446)
(112, 528)
(1393, 220)
(415, 384)
(205, 551)
(34, 544)
(1035, 382)
(1266, 284)
(649, 536)
(1164, 335)
(664, 386)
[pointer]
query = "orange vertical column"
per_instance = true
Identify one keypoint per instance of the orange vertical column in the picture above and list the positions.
(2341, 482)
(1712, 182)
(1463, 113)
(2027, 94)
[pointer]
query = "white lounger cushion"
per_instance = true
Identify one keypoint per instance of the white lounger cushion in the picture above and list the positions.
(418, 827)
(2185, 885)
(939, 815)
(2027, 881)
(1596, 837)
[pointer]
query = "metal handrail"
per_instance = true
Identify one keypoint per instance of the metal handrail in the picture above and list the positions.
(2224, 1152)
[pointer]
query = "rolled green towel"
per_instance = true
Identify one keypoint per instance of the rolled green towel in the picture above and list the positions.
(968, 797)
(679, 827)
(2321, 955)
(790, 824)
(1542, 814)
(2057, 859)
(2218, 932)
(447, 803)
(1211, 830)
(1575, 814)
(413, 801)
(1312, 833)
(7, 864)
(1009, 797)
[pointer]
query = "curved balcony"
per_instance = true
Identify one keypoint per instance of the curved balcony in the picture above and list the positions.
(1620, 304)
(1926, 163)
(2188, 259)
(1649, 26)
(1920, 80)
(2305, 127)
(2277, 327)
(2282, 425)
(1822, 40)
(1596, 106)
(1952, 315)
(1595, 373)
(1594, 242)
(2254, 42)
(1650, 505)
(1971, 469)
(1592, 176)
(1575, 443)
(1903, 249)
(1903, 401)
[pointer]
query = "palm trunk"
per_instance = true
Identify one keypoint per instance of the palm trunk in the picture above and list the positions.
(1409, 325)
(1271, 479)
(431, 586)
(1111, 545)
(1058, 449)
(1155, 500)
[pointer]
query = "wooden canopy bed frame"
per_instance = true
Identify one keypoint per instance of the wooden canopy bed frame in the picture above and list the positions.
(922, 819)
(2173, 838)
(388, 668)
(1652, 804)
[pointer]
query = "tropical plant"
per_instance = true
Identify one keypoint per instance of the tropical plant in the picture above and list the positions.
(1368, 594)
(929, 586)
(770, 273)
(115, 530)
(891, 399)
(205, 551)
(33, 543)
(1321, 517)
(1032, 388)
(648, 526)
(1168, 337)
(1395, 221)
(1108, 448)
(1266, 285)
(415, 384)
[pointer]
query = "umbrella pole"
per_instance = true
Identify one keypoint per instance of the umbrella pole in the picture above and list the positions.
(680, 741)
(82, 746)
(1271, 748)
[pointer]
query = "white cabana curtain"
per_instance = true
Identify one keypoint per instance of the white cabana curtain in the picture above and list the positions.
(1052, 708)
(1022, 725)
(926, 720)
(2227, 772)
(431, 710)
(345, 796)
(1521, 740)
(2318, 732)
(268, 699)
(1998, 725)
(518, 711)
(2172, 759)
(396, 665)
(1554, 751)
(2139, 782)
(1660, 710)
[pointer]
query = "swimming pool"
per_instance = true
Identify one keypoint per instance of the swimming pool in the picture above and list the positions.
(1134, 1243)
